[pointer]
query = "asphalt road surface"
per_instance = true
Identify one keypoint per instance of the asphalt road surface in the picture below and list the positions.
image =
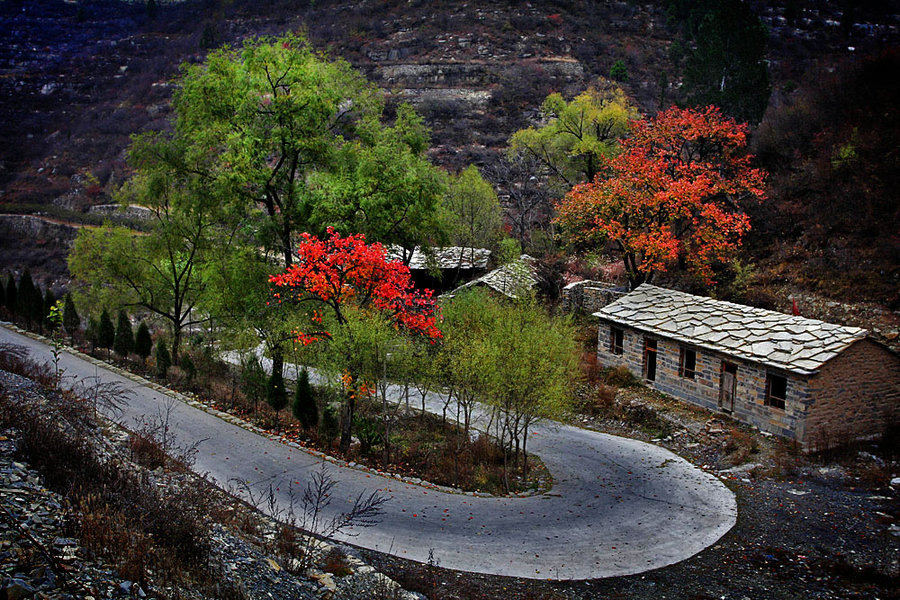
(617, 506)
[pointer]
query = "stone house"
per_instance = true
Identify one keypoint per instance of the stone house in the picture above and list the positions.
(442, 269)
(807, 380)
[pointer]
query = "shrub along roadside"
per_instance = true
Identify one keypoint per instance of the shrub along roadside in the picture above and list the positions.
(115, 511)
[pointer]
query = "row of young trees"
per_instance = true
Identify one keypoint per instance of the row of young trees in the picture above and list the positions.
(23, 300)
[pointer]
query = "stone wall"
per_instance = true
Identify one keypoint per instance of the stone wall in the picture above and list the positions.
(857, 394)
(703, 389)
(590, 296)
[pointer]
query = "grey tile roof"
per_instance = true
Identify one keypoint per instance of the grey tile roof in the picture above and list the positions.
(509, 279)
(787, 342)
(449, 257)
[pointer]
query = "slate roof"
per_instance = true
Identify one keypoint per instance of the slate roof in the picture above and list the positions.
(788, 342)
(508, 279)
(449, 257)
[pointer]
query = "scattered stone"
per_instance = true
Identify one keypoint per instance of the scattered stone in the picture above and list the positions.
(234, 554)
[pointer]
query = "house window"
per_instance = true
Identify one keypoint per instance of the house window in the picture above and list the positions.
(616, 336)
(776, 390)
(687, 365)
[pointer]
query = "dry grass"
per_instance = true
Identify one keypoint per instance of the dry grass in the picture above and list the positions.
(116, 512)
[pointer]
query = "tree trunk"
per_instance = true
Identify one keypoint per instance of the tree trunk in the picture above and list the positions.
(176, 343)
(525, 451)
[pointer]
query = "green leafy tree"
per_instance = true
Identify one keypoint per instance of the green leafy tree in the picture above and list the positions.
(159, 270)
(163, 359)
(618, 71)
(386, 189)
(473, 211)
(304, 407)
(124, 340)
(514, 357)
(291, 141)
(143, 343)
(106, 332)
(71, 320)
(538, 365)
(579, 136)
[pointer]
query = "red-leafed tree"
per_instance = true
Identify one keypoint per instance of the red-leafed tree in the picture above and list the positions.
(674, 195)
(343, 274)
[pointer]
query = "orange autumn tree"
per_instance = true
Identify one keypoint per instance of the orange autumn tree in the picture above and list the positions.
(343, 275)
(673, 196)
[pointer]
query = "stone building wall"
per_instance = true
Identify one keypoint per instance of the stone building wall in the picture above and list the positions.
(703, 390)
(857, 394)
(590, 296)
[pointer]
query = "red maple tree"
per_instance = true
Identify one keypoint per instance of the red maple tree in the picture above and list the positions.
(674, 194)
(345, 273)
(340, 271)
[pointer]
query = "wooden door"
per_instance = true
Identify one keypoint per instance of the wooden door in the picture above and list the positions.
(727, 386)
(649, 359)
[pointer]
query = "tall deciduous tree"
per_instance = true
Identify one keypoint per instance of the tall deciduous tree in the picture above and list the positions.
(341, 275)
(675, 194)
(159, 270)
(579, 136)
(473, 211)
(528, 207)
(262, 119)
(291, 141)
(384, 186)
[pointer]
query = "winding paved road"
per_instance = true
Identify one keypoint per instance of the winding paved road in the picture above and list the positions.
(617, 507)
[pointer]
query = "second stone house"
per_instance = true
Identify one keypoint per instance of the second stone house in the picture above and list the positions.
(815, 382)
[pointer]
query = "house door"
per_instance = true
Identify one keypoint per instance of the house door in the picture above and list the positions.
(649, 359)
(727, 386)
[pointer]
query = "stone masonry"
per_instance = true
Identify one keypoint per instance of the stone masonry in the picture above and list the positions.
(837, 384)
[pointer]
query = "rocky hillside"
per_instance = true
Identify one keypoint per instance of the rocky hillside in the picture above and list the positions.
(80, 77)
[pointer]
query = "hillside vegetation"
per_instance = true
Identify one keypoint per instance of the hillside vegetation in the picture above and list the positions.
(80, 79)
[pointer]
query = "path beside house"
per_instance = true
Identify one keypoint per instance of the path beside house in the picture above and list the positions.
(618, 506)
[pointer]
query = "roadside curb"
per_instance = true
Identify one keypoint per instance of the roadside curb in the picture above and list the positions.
(190, 400)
